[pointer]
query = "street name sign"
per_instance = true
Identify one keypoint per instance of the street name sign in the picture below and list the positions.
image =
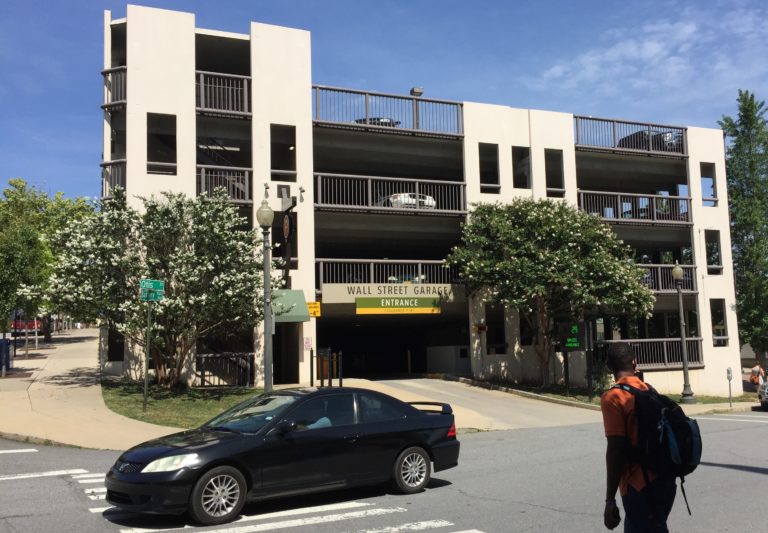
(151, 290)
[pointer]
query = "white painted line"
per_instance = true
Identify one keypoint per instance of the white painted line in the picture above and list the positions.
(754, 420)
(95, 480)
(413, 526)
(269, 516)
(97, 496)
(299, 522)
(86, 476)
(42, 474)
(468, 531)
(20, 450)
(100, 509)
(95, 491)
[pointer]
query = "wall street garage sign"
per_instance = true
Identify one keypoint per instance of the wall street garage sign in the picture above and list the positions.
(397, 305)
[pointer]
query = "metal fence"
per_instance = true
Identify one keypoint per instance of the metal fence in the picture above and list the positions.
(115, 85)
(378, 111)
(384, 271)
(629, 136)
(389, 194)
(228, 369)
(112, 175)
(662, 354)
(636, 207)
(659, 278)
(224, 93)
(236, 180)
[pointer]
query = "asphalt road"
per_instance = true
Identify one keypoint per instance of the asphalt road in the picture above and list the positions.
(535, 479)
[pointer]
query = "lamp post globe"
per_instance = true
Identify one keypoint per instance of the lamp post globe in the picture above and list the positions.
(678, 274)
(264, 216)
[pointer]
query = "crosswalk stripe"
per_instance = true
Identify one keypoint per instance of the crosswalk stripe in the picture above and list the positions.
(754, 420)
(97, 496)
(88, 476)
(95, 491)
(94, 480)
(20, 450)
(468, 531)
(299, 522)
(43, 474)
(412, 526)
(101, 509)
(269, 516)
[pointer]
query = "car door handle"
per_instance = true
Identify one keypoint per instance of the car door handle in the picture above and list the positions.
(352, 438)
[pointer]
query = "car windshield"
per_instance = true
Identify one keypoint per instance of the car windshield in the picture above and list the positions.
(252, 415)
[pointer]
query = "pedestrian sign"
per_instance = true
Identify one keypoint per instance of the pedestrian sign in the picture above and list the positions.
(151, 290)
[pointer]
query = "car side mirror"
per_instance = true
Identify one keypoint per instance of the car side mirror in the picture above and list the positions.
(285, 426)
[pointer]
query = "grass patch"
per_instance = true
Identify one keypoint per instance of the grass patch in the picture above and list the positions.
(187, 409)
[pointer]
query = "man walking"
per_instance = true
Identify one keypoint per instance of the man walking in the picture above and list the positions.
(647, 496)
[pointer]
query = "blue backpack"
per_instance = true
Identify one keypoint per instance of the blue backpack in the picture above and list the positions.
(669, 443)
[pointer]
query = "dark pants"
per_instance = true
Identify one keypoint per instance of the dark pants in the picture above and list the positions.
(646, 511)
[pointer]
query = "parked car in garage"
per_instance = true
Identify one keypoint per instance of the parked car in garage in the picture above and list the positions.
(286, 442)
(659, 141)
(378, 121)
(407, 200)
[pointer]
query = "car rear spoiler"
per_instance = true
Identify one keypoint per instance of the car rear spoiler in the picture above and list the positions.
(445, 409)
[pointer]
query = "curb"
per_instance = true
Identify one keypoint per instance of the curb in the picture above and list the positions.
(28, 439)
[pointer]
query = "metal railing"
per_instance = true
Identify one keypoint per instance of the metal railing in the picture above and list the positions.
(230, 369)
(627, 207)
(384, 271)
(112, 175)
(659, 278)
(619, 135)
(236, 180)
(389, 194)
(115, 86)
(161, 167)
(223, 93)
(663, 354)
(387, 112)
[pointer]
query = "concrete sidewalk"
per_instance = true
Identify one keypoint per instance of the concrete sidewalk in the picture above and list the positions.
(56, 396)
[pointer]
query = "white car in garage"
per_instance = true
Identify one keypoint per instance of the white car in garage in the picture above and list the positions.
(407, 200)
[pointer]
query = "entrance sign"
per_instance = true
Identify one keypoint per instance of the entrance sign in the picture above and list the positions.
(397, 306)
(349, 293)
(314, 309)
(571, 335)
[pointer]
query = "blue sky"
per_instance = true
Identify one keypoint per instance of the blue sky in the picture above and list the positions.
(673, 62)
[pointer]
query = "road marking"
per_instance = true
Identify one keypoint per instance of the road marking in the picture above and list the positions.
(99, 479)
(754, 420)
(85, 476)
(97, 497)
(413, 526)
(298, 522)
(468, 531)
(101, 509)
(268, 516)
(95, 491)
(20, 450)
(43, 474)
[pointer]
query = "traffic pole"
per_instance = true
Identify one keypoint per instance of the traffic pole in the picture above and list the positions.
(146, 356)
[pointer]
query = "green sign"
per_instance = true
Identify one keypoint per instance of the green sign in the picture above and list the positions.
(397, 305)
(571, 335)
(151, 290)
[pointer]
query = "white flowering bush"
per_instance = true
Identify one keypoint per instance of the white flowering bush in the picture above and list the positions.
(551, 262)
(210, 265)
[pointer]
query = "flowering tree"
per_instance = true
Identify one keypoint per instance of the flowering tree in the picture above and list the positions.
(198, 247)
(549, 261)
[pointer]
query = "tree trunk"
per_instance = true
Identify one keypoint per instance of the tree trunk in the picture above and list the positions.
(543, 343)
(47, 327)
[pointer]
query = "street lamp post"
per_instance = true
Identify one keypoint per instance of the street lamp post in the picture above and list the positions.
(264, 216)
(677, 275)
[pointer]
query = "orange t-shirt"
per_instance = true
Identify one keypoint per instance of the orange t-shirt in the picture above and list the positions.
(618, 408)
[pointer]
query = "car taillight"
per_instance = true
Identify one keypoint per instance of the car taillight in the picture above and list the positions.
(452, 431)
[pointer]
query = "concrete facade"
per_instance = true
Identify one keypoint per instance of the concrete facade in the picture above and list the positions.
(352, 154)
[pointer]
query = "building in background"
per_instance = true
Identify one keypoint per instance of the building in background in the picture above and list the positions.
(382, 184)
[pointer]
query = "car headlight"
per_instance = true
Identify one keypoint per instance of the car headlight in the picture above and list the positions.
(169, 464)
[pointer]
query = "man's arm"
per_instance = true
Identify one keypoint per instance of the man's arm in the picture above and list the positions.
(615, 463)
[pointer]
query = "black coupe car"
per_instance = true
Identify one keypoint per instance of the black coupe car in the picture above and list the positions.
(290, 441)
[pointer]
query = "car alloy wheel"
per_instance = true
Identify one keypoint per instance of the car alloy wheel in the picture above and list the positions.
(412, 470)
(218, 496)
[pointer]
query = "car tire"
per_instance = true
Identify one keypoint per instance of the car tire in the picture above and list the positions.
(218, 496)
(411, 471)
